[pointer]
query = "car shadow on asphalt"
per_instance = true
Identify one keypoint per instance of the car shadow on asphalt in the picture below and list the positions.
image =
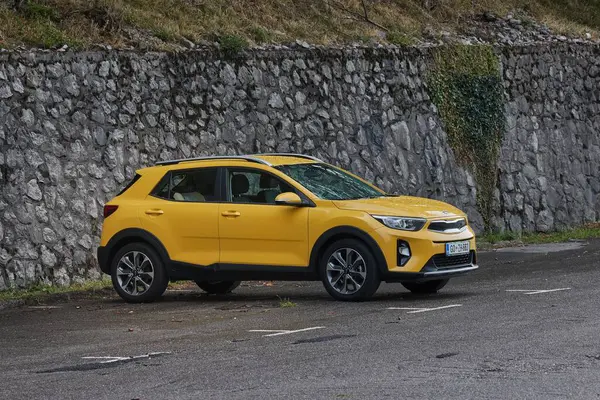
(276, 297)
(413, 298)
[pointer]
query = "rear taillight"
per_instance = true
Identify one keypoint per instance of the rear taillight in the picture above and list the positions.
(109, 210)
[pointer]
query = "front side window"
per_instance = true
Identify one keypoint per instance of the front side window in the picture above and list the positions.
(329, 183)
(253, 186)
(198, 185)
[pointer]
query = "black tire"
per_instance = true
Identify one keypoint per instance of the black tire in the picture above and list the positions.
(428, 287)
(120, 272)
(218, 287)
(369, 282)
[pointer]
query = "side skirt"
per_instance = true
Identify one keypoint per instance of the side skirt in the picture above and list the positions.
(239, 272)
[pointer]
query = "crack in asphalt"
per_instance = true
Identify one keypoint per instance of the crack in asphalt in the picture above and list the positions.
(446, 355)
(323, 339)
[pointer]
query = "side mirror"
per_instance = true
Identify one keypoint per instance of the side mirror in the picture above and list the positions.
(289, 199)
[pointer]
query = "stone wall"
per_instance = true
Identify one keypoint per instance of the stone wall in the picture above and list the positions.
(550, 158)
(74, 127)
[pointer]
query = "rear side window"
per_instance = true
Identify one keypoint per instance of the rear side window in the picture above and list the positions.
(197, 185)
(130, 184)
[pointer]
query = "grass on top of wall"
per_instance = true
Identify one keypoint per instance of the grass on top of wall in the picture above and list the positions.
(165, 24)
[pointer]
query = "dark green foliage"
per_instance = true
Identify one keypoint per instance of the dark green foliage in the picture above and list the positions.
(232, 44)
(164, 34)
(38, 11)
(399, 39)
(467, 88)
(260, 35)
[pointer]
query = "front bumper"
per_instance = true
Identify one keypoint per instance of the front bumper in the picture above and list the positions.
(428, 260)
(429, 275)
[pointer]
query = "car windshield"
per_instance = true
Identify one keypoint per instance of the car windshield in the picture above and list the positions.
(329, 183)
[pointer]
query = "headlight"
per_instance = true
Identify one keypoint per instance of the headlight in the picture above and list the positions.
(402, 223)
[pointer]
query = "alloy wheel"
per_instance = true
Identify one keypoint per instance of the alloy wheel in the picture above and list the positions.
(135, 273)
(346, 271)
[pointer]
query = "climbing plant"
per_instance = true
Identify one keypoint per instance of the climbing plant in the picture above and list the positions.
(466, 86)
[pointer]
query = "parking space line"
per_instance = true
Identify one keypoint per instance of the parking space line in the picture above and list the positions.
(413, 310)
(279, 332)
(535, 291)
(112, 359)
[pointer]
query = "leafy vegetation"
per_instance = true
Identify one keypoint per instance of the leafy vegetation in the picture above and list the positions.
(40, 292)
(286, 303)
(232, 44)
(466, 86)
(159, 24)
(585, 232)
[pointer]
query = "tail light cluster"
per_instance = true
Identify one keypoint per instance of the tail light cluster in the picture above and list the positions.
(109, 210)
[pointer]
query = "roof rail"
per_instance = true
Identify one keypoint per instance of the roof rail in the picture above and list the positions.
(292, 155)
(246, 158)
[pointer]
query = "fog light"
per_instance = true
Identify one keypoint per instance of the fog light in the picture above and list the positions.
(403, 252)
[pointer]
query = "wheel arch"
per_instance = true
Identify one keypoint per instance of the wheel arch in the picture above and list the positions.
(125, 237)
(345, 232)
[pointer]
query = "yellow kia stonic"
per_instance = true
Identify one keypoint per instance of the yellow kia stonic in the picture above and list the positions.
(221, 220)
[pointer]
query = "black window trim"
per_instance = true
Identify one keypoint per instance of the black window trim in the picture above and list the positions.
(218, 186)
(226, 195)
(130, 184)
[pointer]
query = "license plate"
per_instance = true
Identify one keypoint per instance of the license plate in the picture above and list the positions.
(457, 248)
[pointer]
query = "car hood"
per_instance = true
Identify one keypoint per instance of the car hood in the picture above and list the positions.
(401, 206)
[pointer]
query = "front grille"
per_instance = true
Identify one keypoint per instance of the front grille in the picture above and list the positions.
(448, 226)
(442, 261)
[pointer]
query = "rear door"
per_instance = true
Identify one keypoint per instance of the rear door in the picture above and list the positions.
(182, 212)
(253, 230)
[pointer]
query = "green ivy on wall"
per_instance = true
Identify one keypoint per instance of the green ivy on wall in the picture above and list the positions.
(466, 86)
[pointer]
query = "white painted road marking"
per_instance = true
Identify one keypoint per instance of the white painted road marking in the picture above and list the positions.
(535, 291)
(421, 310)
(112, 359)
(279, 332)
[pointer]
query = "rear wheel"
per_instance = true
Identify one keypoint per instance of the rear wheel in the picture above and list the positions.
(138, 274)
(218, 287)
(349, 271)
(427, 287)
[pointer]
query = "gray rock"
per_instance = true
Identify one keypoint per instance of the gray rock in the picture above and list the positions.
(5, 91)
(49, 235)
(48, 258)
(33, 190)
(27, 117)
(545, 221)
(401, 134)
(85, 242)
(71, 85)
(275, 101)
(104, 69)
(98, 116)
(18, 86)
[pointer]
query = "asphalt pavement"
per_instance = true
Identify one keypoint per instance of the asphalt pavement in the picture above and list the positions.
(526, 325)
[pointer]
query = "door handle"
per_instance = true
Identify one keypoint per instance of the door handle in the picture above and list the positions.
(230, 213)
(154, 212)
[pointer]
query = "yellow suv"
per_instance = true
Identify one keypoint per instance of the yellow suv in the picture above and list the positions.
(221, 220)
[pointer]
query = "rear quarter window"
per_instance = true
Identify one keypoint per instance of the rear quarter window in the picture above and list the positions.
(130, 184)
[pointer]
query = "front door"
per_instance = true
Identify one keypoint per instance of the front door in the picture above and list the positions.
(253, 230)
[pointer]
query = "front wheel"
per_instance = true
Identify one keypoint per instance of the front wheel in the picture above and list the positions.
(427, 287)
(138, 274)
(218, 287)
(349, 271)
